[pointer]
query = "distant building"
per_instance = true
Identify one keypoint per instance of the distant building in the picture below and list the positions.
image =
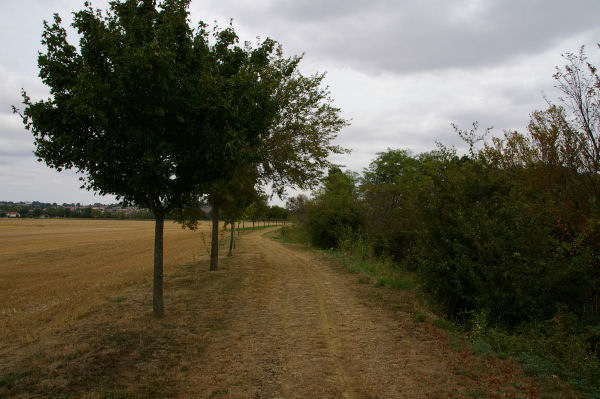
(13, 215)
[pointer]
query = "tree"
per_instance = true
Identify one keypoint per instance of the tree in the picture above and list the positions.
(579, 82)
(334, 213)
(293, 148)
(231, 197)
(389, 187)
(148, 109)
(296, 206)
(277, 213)
(257, 209)
(294, 151)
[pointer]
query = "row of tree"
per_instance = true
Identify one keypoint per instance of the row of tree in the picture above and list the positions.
(163, 115)
(256, 211)
(511, 229)
(57, 211)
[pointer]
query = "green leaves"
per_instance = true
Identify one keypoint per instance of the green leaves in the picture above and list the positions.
(147, 108)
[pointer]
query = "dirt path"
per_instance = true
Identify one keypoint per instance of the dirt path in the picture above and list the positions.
(298, 329)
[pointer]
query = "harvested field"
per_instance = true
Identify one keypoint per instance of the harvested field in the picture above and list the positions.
(53, 271)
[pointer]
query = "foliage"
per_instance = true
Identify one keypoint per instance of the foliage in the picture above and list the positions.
(561, 346)
(293, 235)
(579, 83)
(276, 212)
(391, 212)
(294, 151)
(189, 215)
(419, 318)
(296, 207)
(257, 209)
(149, 109)
(334, 212)
(293, 124)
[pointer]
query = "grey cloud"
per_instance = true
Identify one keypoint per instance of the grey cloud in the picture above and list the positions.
(401, 36)
(401, 70)
(14, 150)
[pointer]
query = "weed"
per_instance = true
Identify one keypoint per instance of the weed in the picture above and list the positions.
(123, 338)
(10, 379)
(364, 280)
(550, 348)
(476, 394)
(478, 323)
(461, 371)
(118, 299)
(396, 282)
(445, 325)
(419, 318)
(218, 327)
(401, 283)
(534, 366)
(217, 392)
(116, 395)
(481, 348)
(291, 235)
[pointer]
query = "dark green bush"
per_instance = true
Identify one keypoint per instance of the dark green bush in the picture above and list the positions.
(334, 213)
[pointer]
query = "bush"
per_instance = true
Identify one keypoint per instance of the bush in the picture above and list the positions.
(333, 216)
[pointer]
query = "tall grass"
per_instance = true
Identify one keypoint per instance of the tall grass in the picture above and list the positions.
(356, 256)
(553, 352)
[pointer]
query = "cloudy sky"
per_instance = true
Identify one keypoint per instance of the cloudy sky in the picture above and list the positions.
(401, 70)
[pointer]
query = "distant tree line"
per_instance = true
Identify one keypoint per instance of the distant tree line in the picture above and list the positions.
(256, 211)
(37, 209)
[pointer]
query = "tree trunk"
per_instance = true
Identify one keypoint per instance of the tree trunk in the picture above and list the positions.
(214, 244)
(232, 239)
(158, 306)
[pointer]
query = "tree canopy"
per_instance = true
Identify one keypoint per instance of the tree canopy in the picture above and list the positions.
(149, 109)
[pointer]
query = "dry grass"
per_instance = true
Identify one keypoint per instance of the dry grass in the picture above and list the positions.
(54, 271)
(80, 323)
(274, 321)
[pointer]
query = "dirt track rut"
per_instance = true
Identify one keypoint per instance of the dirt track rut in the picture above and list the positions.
(298, 329)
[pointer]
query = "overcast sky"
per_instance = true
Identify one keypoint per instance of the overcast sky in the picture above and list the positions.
(401, 70)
